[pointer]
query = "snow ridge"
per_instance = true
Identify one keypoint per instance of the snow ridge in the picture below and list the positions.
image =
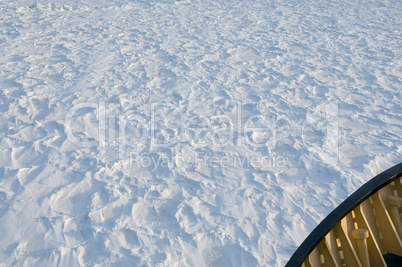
(202, 133)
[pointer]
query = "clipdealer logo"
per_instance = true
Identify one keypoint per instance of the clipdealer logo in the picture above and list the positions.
(200, 130)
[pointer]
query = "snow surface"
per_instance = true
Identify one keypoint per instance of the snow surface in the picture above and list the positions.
(322, 77)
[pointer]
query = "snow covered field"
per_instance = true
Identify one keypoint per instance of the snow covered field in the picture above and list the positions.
(189, 133)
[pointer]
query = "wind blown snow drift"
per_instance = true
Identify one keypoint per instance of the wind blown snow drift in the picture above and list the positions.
(189, 133)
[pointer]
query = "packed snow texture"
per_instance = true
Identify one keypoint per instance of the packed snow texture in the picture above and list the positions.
(322, 77)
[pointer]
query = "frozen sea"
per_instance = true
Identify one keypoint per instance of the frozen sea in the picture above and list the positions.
(189, 133)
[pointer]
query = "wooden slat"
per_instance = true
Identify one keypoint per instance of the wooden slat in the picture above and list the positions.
(348, 226)
(391, 241)
(314, 258)
(376, 258)
(397, 190)
(306, 263)
(331, 244)
(350, 257)
(385, 192)
(397, 187)
(326, 255)
(368, 211)
(394, 203)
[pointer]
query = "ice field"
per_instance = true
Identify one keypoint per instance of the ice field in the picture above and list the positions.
(189, 133)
